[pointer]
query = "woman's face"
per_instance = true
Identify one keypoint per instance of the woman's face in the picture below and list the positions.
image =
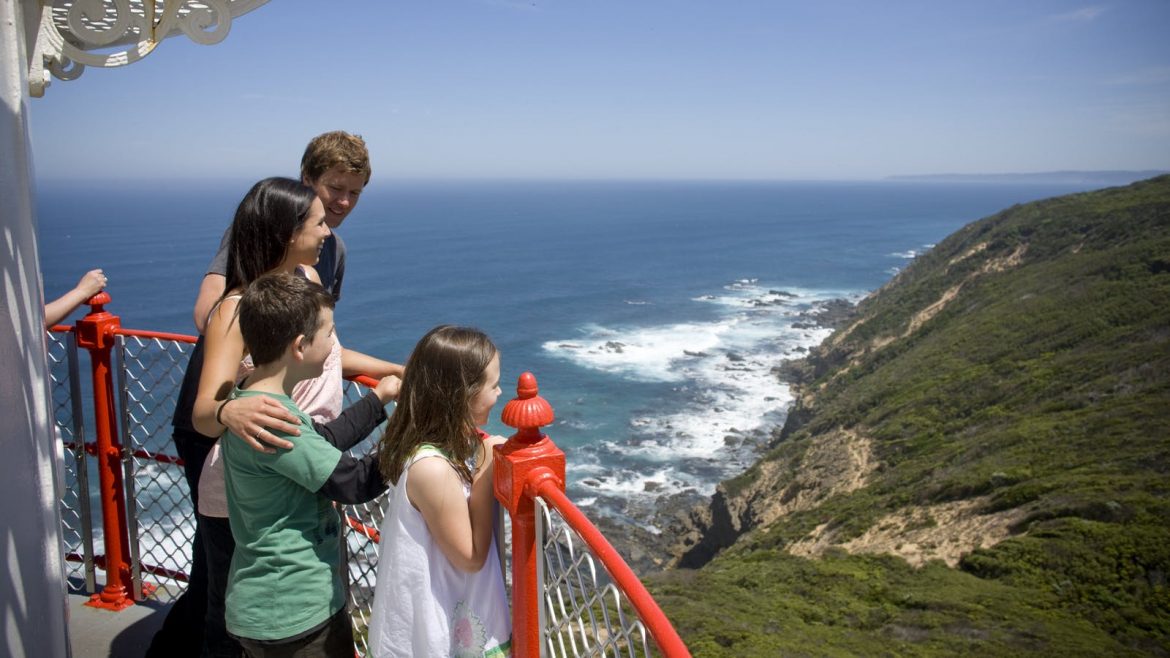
(483, 401)
(305, 248)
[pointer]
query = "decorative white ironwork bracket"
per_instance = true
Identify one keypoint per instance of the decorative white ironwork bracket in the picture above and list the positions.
(74, 34)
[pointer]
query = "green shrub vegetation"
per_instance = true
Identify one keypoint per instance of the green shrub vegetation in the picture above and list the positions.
(1043, 385)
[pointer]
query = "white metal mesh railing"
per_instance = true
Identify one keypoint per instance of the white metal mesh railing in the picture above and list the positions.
(583, 613)
(69, 422)
(160, 520)
(361, 539)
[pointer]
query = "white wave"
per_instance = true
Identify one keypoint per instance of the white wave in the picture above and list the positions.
(646, 354)
(626, 482)
(725, 394)
(911, 254)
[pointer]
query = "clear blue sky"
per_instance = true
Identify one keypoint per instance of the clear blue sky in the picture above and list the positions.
(772, 89)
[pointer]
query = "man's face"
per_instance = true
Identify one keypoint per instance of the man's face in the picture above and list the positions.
(339, 191)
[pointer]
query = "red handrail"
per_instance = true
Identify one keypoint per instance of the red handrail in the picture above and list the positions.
(161, 335)
(371, 533)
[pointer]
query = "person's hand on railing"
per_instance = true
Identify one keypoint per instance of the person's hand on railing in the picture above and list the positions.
(91, 283)
(485, 463)
(255, 418)
(387, 388)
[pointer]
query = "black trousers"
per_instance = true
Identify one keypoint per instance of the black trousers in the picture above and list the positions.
(219, 545)
(181, 635)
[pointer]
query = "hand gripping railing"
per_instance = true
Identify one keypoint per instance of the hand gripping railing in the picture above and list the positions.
(558, 602)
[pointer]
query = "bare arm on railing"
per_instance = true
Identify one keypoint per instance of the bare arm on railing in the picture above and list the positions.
(90, 284)
(461, 527)
(249, 418)
(356, 363)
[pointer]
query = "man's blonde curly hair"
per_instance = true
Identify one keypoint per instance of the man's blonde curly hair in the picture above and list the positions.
(335, 149)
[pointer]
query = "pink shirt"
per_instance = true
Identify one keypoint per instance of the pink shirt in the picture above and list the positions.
(320, 398)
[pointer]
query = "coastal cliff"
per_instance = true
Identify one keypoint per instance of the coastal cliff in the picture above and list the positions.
(977, 459)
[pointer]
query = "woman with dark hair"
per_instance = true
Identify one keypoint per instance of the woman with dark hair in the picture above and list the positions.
(278, 226)
(263, 229)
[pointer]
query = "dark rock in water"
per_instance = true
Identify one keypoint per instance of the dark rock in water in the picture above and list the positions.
(781, 293)
(835, 313)
(805, 325)
(590, 482)
(696, 354)
(646, 551)
(730, 441)
(641, 548)
(614, 346)
(650, 486)
(734, 358)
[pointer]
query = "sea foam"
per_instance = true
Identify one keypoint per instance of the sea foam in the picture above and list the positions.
(724, 396)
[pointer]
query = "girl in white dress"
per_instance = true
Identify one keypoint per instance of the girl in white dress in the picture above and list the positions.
(440, 588)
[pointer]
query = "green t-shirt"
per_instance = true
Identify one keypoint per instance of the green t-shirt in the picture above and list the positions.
(284, 574)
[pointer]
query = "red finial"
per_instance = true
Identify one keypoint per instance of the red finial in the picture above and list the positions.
(98, 301)
(528, 411)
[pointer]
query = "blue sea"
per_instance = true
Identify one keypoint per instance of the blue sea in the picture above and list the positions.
(651, 313)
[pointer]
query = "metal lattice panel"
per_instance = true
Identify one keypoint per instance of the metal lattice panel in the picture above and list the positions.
(162, 522)
(361, 542)
(76, 521)
(583, 612)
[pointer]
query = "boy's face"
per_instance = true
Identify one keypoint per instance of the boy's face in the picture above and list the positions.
(339, 191)
(485, 399)
(315, 353)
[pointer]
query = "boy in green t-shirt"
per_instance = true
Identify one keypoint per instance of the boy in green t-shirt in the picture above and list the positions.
(284, 588)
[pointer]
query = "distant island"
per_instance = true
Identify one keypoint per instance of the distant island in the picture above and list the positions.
(1057, 177)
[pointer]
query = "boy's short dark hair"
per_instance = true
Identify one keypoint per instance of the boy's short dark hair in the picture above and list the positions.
(275, 309)
(335, 149)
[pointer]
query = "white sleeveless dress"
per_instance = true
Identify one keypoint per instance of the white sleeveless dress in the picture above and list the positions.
(423, 605)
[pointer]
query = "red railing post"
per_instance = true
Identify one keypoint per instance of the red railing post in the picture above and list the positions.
(95, 332)
(526, 460)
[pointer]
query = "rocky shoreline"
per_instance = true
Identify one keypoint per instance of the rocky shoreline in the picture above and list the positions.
(654, 544)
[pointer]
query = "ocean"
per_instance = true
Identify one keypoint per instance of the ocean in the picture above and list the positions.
(651, 313)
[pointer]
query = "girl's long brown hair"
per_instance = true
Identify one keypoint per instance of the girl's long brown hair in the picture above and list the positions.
(443, 374)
